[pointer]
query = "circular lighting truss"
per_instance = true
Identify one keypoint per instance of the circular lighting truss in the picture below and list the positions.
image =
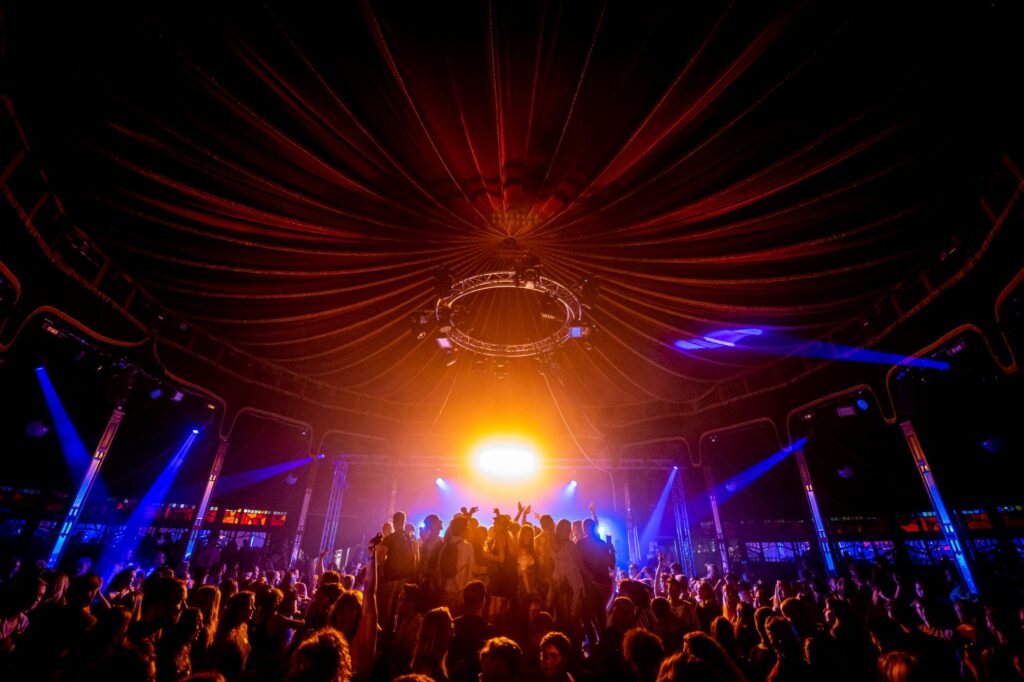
(572, 326)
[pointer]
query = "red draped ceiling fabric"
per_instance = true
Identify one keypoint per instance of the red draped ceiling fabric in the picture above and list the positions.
(290, 179)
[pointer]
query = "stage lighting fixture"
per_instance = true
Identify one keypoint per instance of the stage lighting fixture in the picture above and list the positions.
(444, 342)
(177, 397)
(573, 483)
(993, 444)
(846, 411)
(862, 405)
(156, 393)
(195, 430)
(419, 323)
(507, 459)
(320, 455)
(37, 428)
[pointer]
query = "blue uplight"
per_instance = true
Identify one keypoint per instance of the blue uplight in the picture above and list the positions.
(244, 479)
(653, 527)
(993, 444)
(153, 497)
(862, 405)
(756, 471)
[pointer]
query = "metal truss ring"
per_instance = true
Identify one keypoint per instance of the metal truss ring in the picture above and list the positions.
(508, 280)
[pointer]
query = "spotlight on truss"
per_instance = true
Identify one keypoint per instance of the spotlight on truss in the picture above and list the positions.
(420, 323)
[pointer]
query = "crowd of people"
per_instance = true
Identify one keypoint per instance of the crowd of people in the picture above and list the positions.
(522, 598)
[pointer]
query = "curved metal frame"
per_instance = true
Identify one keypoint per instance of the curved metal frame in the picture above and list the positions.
(508, 280)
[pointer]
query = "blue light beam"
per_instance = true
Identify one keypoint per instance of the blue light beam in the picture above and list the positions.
(746, 339)
(658, 515)
(71, 445)
(154, 496)
(725, 490)
(244, 479)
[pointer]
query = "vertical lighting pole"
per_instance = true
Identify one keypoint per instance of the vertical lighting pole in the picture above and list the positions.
(333, 515)
(950, 529)
(632, 540)
(204, 503)
(723, 549)
(78, 504)
(683, 536)
(812, 501)
(301, 527)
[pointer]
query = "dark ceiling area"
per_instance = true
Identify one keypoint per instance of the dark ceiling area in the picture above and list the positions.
(289, 180)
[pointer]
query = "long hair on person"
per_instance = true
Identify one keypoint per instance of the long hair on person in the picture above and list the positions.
(207, 600)
(682, 666)
(701, 646)
(236, 613)
(900, 666)
(430, 654)
(346, 613)
(322, 657)
(722, 632)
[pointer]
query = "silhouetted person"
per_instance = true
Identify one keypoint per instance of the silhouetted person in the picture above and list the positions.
(644, 652)
(471, 632)
(501, 660)
(323, 657)
(432, 642)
